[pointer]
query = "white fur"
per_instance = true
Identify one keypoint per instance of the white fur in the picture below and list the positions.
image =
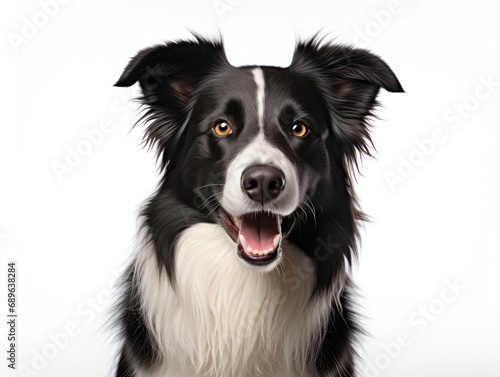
(260, 152)
(225, 320)
(260, 93)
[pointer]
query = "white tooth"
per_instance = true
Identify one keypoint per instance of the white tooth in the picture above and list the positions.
(261, 253)
(266, 252)
(243, 242)
(255, 252)
(270, 249)
(237, 221)
(276, 240)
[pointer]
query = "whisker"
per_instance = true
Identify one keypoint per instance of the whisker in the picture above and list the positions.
(209, 199)
(212, 184)
(304, 219)
(217, 206)
(311, 207)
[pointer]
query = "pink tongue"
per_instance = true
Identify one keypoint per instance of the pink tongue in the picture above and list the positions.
(259, 230)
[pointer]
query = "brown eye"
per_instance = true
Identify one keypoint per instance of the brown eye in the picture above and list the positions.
(223, 129)
(299, 129)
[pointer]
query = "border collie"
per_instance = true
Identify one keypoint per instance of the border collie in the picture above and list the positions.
(244, 250)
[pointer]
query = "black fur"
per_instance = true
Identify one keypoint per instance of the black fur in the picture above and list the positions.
(187, 87)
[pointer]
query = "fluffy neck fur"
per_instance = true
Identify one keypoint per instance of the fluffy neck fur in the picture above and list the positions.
(224, 319)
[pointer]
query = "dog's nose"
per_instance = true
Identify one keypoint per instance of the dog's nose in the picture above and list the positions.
(262, 183)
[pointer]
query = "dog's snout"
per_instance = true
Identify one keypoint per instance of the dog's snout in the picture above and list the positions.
(262, 183)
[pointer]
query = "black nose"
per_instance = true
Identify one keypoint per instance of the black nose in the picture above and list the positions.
(262, 183)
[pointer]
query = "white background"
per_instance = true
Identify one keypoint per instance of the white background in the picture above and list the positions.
(437, 225)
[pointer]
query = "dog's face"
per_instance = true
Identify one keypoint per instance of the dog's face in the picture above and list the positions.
(258, 149)
(254, 151)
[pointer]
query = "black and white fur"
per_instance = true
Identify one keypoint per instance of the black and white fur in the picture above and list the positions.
(190, 305)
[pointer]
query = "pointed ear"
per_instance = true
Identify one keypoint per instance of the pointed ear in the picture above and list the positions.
(171, 71)
(350, 80)
(168, 74)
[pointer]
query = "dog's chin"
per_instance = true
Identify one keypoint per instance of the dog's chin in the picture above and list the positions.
(257, 237)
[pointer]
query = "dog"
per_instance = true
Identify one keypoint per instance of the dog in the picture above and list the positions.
(244, 251)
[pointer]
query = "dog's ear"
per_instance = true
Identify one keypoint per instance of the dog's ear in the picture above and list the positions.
(350, 79)
(168, 74)
(173, 69)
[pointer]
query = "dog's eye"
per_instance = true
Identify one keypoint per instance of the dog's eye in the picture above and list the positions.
(223, 129)
(299, 129)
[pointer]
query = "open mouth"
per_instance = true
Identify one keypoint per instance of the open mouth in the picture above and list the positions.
(258, 235)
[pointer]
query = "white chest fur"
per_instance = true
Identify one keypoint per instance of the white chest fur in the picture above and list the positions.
(224, 319)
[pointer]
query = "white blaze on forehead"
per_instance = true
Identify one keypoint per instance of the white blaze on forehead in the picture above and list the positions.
(258, 76)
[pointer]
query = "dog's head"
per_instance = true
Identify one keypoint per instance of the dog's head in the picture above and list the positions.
(264, 151)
